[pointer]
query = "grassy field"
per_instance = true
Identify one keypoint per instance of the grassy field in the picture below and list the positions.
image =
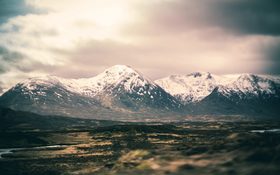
(175, 148)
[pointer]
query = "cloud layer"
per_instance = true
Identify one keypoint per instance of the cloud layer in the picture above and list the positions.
(71, 38)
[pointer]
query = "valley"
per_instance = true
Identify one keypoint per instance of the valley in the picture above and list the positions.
(212, 147)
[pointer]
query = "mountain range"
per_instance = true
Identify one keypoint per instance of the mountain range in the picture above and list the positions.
(121, 92)
(241, 94)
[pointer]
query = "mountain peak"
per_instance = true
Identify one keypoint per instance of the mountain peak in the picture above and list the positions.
(119, 88)
(31, 83)
(119, 69)
(119, 72)
(118, 76)
(207, 75)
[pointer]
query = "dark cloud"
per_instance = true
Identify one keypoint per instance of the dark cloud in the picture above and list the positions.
(272, 53)
(248, 16)
(8, 58)
(16, 60)
(1, 88)
(11, 8)
(236, 16)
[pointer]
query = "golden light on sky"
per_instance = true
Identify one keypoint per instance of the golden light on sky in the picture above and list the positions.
(88, 19)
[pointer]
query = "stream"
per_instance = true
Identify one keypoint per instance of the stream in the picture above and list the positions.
(266, 131)
(11, 150)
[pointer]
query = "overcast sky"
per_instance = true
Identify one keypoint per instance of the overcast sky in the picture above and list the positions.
(80, 38)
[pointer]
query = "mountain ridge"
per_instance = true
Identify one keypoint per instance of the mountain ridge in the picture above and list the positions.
(197, 86)
(122, 92)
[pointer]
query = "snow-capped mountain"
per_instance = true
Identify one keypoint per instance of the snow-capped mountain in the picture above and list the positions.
(250, 86)
(193, 87)
(125, 87)
(48, 95)
(121, 92)
(117, 90)
(205, 93)
(254, 95)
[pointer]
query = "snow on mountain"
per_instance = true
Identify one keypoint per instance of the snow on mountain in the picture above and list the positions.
(249, 86)
(189, 88)
(196, 86)
(193, 87)
(119, 88)
(114, 76)
(249, 94)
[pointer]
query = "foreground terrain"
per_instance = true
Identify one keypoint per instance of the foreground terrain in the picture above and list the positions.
(248, 147)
